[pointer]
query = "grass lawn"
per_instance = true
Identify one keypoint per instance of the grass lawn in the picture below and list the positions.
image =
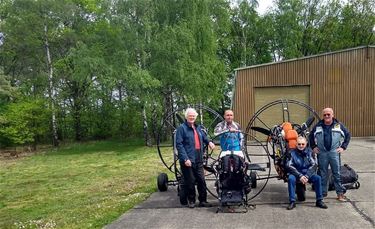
(78, 186)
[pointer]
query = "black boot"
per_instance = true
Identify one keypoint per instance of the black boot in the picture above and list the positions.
(291, 206)
(321, 204)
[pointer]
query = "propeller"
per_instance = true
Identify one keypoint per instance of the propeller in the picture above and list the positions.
(180, 119)
(306, 124)
(261, 130)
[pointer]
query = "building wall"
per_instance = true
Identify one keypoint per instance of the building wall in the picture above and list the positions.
(343, 80)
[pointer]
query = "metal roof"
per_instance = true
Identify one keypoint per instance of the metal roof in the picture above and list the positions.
(304, 57)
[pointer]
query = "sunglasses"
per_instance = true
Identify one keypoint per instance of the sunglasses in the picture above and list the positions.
(327, 115)
(301, 144)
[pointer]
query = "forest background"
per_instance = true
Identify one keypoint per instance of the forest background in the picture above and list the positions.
(78, 70)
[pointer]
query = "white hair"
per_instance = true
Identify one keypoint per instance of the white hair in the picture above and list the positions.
(190, 110)
(302, 138)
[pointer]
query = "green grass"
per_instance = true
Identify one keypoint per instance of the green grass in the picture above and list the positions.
(78, 186)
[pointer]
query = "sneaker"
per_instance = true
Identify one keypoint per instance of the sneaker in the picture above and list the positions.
(321, 204)
(341, 197)
(204, 204)
(191, 204)
(325, 194)
(291, 206)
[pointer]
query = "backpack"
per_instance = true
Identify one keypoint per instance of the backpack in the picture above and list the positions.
(349, 178)
(290, 135)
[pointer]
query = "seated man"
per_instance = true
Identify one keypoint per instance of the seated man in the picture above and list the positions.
(232, 155)
(231, 137)
(302, 166)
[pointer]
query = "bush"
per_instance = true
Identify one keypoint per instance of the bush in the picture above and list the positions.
(24, 122)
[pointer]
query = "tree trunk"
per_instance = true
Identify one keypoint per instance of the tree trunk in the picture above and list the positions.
(122, 111)
(146, 134)
(51, 91)
(77, 104)
(154, 121)
(77, 123)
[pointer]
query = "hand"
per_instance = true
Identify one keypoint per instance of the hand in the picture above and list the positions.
(339, 150)
(211, 145)
(188, 163)
(304, 180)
(232, 130)
(316, 150)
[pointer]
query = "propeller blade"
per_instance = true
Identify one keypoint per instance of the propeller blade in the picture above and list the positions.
(261, 130)
(180, 119)
(310, 121)
(306, 124)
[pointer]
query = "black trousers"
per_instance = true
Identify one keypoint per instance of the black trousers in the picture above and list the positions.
(192, 175)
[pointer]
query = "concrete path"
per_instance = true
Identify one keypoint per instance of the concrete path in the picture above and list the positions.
(162, 209)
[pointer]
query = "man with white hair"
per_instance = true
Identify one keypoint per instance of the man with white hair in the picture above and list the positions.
(190, 140)
(328, 139)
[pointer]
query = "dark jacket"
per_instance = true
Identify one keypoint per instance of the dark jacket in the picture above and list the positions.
(185, 143)
(332, 139)
(301, 163)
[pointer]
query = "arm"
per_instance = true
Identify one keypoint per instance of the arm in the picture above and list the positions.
(241, 136)
(347, 137)
(206, 140)
(313, 166)
(312, 138)
(220, 128)
(292, 169)
(182, 155)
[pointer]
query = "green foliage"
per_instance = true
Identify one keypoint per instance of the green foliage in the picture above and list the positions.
(117, 66)
(24, 122)
(303, 28)
(7, 92)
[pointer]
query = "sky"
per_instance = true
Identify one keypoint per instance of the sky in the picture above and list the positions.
(263, 5)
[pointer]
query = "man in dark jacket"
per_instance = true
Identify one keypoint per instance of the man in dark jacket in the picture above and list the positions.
(328, 139)
(302, 167)
(189, 143)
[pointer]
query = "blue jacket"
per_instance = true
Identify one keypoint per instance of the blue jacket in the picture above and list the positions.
(185, 143)
(328, 138)
(301, 163)
(230, 141)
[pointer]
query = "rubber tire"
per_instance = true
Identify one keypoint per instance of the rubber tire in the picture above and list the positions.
(301, 192)
(253, 177)
(163, 182)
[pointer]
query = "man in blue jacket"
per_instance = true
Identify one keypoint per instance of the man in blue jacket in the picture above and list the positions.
(190, 140)
(328, 139)
(302, 167)
(231, 137)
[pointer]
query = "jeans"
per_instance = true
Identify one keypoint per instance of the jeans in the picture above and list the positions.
(331, 158)
(314, 179)
(192, 175)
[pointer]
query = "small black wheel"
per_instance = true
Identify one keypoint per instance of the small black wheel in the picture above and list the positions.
(182, 194)
(253, 177)
(163, 182)
(301, 191)
(357, 185)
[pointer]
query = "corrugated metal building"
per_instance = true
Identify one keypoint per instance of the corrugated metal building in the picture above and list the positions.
(343, 80)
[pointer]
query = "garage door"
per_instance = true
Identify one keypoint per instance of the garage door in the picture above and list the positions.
(275, 115)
